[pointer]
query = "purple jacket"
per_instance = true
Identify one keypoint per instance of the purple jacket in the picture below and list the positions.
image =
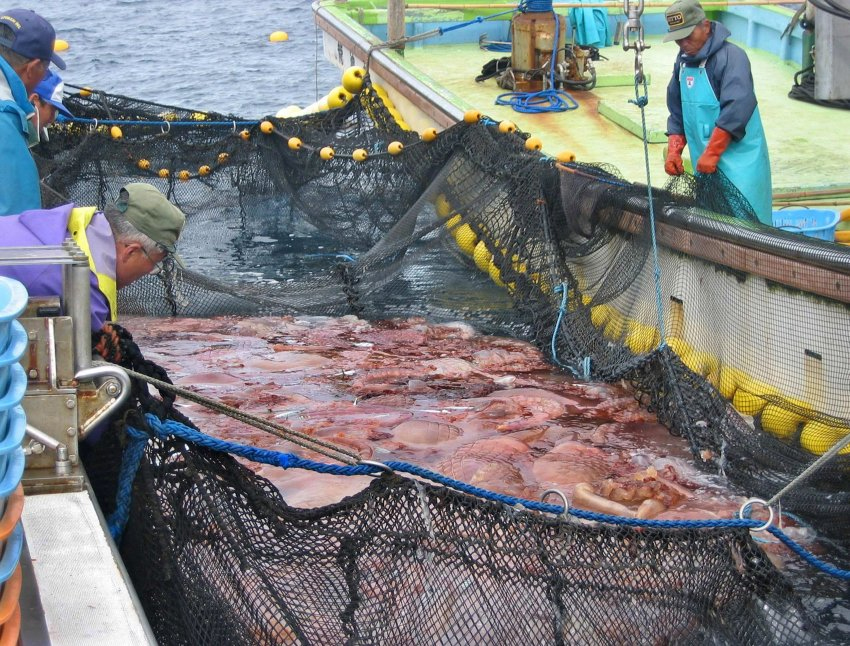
(50, 227)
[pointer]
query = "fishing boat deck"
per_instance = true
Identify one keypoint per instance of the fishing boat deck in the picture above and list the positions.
(801, 136)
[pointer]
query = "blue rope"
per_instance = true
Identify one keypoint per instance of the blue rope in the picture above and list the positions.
(538, 102)
(585, 363)
(535, 6)
(550, 100)
(460, 25)
(641, 102)
(807, 556)
(287, 460)
(163, 123)
(117, 520)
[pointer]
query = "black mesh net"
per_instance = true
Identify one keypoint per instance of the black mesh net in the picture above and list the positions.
(564, 255)
(407, 563)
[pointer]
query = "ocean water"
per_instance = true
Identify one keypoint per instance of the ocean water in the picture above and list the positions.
(210, 55)
(215, 55)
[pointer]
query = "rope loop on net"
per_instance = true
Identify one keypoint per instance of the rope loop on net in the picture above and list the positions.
(746, 509)
(557, 492)
(584, 374)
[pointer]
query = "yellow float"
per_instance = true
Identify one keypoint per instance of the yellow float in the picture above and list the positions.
(442, 206)
(507, 127)
(481, 255)
(472, 116)
(780, 422)
(818, 437)
(352, 79)
(533, 143)
(466, 239)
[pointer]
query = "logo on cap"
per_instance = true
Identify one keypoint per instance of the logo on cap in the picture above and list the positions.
(676, 19)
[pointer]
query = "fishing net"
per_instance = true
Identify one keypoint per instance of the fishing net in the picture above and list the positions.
(564, 256)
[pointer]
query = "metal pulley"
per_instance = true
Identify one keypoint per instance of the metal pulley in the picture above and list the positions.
(633, 35)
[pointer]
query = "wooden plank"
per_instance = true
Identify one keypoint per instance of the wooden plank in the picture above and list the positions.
(778, 269)
(619, 80)
(629, 124)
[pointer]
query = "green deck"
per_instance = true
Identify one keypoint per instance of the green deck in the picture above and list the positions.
(807, 142)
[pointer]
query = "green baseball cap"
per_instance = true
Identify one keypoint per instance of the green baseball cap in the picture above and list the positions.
(682, 16)
(150, 212)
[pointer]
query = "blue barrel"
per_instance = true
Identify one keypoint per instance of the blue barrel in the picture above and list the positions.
(13, 422)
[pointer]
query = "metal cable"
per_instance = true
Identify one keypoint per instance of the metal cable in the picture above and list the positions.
(809, 470)
(296, 437)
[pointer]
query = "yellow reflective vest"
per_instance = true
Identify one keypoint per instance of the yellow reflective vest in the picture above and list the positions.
(77, 222)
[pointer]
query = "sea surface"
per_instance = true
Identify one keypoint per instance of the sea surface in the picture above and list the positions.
(209, 55)
(216, 56)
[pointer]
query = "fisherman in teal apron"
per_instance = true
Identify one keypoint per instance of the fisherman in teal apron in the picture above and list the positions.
(713, 107)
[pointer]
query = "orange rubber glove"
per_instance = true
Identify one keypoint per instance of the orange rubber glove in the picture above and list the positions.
(717, 144)
(673, 164)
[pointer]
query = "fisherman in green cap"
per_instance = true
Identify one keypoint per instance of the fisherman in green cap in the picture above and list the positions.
(131, 238)
(713, 107)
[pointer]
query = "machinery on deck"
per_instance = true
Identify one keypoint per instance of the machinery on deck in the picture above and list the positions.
(536, 38)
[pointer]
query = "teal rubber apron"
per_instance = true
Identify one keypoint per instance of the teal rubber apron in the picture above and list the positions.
(745, 162)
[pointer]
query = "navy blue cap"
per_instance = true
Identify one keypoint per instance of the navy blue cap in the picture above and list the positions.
(34, 37)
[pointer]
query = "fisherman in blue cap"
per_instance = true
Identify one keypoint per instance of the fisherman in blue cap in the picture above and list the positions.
(47, 101)
(26, 51)
(713, 107)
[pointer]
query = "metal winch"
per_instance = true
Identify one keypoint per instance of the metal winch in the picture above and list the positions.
(67, 395)
(536, 38)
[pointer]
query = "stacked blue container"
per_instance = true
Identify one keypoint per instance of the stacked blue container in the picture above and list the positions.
(13, 385)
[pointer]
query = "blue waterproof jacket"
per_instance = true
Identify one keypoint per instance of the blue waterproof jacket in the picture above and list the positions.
(729, 74)
(713, 89)
(19, 184)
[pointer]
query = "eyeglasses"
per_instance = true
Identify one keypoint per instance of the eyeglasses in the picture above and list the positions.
(158, 267)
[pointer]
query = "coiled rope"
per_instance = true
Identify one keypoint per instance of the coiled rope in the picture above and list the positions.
(548, 100)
